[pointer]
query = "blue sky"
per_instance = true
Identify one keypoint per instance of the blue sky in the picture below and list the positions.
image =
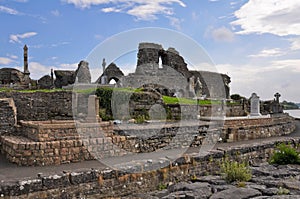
(256, 42)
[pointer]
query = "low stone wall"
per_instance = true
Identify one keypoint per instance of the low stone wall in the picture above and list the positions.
(254, 128)
(117, 183)
(153, 137)
(191, 111)
(48, 144)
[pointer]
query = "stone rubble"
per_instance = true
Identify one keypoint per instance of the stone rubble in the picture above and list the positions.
(268, 181)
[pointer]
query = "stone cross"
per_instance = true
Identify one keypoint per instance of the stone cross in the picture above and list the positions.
(254, 105)
(277, 95)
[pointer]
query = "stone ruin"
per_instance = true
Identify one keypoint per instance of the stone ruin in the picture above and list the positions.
(173, 73)
(81, 75)
(173, 70)
(13, 78)
(111, 72)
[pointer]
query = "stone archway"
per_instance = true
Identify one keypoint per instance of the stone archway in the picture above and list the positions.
(111, 72)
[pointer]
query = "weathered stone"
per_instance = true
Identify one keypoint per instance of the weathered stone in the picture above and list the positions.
(236, 193)
(64, 78)
(46, 82)
(111, 72)
(8, 116)
(82, 73)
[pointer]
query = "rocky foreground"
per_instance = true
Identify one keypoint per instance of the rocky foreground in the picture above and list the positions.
(268, 181)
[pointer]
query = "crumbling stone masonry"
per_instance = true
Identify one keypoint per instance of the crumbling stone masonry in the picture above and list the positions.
(109, 183)
(58, 142)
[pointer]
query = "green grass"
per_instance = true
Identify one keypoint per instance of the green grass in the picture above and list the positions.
(175, 100)
(31, 91)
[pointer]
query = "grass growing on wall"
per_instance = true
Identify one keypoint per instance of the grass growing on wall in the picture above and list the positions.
(31, 91)
(177, 100)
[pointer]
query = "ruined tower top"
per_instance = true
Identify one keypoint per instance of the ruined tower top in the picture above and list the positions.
(26, 71)
(150, 45)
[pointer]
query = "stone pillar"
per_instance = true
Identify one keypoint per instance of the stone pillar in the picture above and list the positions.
(26, 70)
(254, 105)
(93, 109)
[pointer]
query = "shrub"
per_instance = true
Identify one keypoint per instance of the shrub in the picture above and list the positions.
(285, 154)
(140, 119)
(283, 191)
(234, 171)
(162, 186)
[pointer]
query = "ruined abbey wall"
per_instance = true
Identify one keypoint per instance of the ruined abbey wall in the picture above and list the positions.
(108, 183)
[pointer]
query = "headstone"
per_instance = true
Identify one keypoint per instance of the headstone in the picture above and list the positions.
(254, 105)
(198, 88)
(192, 86)
(93, 109)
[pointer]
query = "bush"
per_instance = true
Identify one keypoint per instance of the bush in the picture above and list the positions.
(285, 154)
(140, 119)
(234, 171)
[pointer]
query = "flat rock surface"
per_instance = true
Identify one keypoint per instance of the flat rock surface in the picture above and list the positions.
(268, 181)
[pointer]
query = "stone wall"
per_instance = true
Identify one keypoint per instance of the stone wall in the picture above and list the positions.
(116, 183)
(58, 143)
(154, 137)
(8, 118)
(43, 106)
(255, 128)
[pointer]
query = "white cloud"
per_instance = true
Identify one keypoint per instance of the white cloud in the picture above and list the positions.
(16, 38)
(98, 36)
(269, 16)
(68, 66)
(222, 34)
(6, 61)
(175, 22)
(12, 56)
(21, 1)
(295, 43)
(38, 70)
(55, 13)
(265, 78)
(8, 10)
(141, 9)
(111, 9)
(274, 52)
(292, 65)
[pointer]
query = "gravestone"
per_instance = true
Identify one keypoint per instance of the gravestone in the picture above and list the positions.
(198, 88)
(254, 105)
(93, 109)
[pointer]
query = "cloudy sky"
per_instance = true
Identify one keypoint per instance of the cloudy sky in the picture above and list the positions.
(255, 42)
